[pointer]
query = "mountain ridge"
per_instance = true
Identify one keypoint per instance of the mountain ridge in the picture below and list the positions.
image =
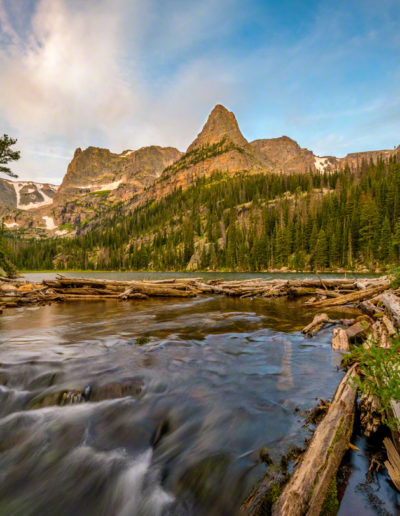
(98, 179)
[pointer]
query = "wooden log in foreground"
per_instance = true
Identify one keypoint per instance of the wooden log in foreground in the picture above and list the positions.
(306, 490)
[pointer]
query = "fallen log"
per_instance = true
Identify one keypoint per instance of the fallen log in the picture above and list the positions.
(87, 297)
(388, 325)
(392, 304)
(393, 462)
(368, 308)
(357, 330)
(330, 283)
(349, 298)
(145, 288)
(306, 490)
(370, 413)
(317, 323)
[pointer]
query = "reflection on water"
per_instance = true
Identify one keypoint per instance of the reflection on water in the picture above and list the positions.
(216, 379)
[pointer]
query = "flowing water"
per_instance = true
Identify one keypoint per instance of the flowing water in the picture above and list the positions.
(166, 404)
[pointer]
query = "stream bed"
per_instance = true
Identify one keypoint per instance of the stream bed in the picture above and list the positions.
(182, 396)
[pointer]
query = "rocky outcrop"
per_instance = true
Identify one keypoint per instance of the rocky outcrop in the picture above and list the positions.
(356, 159)
(220, 124)
(285, 155)
(96, 170)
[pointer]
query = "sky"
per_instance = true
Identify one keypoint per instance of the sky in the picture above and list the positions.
(123, 74)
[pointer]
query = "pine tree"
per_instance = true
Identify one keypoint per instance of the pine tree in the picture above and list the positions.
(7, 154)
(385, 241)
(321, 250)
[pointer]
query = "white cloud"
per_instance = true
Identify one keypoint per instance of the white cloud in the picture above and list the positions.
(124, 74)
(66, 79)
(75, 76)
(67, 73)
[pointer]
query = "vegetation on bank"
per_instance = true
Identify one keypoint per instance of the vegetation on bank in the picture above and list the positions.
(380, 373)
(7, 268)
(342, 220)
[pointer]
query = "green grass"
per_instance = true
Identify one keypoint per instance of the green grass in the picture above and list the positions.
(103, 194)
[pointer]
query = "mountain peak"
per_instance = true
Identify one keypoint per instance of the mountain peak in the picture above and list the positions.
(221, 124)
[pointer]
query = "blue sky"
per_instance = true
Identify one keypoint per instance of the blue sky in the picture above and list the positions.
(127, 73)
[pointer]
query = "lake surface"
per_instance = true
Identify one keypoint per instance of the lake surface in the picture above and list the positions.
(182, 396)
(226, 276)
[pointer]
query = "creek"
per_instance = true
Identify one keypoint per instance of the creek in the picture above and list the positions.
(209, 382)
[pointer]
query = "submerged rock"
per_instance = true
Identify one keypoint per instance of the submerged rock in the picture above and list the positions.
(132, 387)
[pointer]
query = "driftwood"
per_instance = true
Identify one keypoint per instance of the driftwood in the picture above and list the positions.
(368, 308)
(319, 321)
(338, 291)
(370, 413)
(350, 298)
(392, 304)
(340, 340)
(306, 490)
(393, 462)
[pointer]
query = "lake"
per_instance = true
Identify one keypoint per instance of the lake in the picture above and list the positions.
(182, 396)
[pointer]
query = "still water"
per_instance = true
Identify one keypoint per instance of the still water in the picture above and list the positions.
(182, 395)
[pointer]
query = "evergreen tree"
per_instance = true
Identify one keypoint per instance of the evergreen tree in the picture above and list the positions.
(321, 250)
(7, 154)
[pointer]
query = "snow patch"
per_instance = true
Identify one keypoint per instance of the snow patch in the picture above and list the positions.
(61, 232)
(101, 188)
(18, 186)
(49, 223)
(126, 153)
(321, 163)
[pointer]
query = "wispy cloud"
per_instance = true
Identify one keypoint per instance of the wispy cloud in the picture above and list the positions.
(124, 74)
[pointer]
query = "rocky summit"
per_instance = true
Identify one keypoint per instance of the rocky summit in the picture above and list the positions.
(98, 180)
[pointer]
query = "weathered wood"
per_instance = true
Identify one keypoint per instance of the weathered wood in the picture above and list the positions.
(320, 279)
(388, 325)
(62, 286)
(306, 490)
(349, 298)
(370, 413)
(392, 304)
(87, 297)
(318, 321)
(393, 462)
(368, 308)
(340, 340)
(357, 330)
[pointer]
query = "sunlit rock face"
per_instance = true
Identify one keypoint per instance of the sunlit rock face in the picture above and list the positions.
(97, 179)
(220, 124)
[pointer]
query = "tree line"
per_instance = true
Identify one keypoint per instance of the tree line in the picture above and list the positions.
(345, 219)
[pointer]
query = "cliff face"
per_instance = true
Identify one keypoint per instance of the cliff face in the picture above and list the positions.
(355, 159)
(286, 156)
(97, 169)
(97, 179)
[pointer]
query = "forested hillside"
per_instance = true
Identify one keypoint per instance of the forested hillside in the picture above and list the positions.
(327, 221)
